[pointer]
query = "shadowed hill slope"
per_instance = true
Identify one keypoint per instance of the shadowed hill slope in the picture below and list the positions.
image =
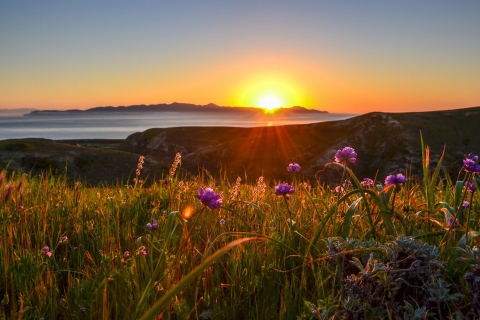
(385, 143)
(93, 165)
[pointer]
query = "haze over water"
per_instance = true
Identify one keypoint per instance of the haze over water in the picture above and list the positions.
(121, 125)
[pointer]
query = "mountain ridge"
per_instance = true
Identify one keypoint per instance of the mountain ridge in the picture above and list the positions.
(175, 107)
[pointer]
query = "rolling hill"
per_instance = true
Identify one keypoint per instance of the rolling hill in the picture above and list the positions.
(386, 143)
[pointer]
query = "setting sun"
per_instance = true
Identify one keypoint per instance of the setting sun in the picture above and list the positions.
(269, 102)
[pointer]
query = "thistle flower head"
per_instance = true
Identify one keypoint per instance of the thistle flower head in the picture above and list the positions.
(209, 198)
(284, 189)
(153, 225)
(295, 167)
(341, 188)
(346, 155)
(470, 164)
(395, 179)
(470, 187)
(367, 183)
(47, 251)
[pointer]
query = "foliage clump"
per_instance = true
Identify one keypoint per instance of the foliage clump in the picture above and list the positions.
(404, 277)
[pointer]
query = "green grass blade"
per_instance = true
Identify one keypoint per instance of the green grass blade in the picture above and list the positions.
(348, 218)
(463, 240)
(158, 307)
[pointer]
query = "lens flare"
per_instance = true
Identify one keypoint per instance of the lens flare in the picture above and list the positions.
(187, 212)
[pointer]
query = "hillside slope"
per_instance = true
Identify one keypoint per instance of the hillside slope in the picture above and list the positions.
(385, 143)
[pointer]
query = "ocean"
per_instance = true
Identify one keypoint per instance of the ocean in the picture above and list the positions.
(119, 125)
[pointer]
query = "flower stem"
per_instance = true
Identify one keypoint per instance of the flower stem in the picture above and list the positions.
(393, 200)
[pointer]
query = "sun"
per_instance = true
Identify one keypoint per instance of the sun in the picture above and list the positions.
(269, 103)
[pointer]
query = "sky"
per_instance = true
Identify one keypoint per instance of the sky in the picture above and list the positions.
(337, 56)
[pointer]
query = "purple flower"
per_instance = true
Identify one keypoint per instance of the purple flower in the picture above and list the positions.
(209, 198)
(284, 190)
(345, 184)
(126, 254)
(470, 187)
(470, 164)
(395, 179)
(222, 221)
(346, 155)
(47, 251)
(367, 183)
(450, 222)
(153, 225)
(83, 309)
(465, 204)
(295, 167)
(472, 157)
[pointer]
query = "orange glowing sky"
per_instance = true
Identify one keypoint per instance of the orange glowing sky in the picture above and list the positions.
(334, 56)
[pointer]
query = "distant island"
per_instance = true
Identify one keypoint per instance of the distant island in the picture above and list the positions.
(175, 107)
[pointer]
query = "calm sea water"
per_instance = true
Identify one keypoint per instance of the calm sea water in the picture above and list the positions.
(120, 125)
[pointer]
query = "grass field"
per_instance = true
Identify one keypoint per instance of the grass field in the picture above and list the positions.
(390, 249)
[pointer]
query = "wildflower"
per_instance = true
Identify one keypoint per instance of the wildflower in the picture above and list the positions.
(64, 239)
(470, 187)
(367, 183)
(470, 164)
(346, 155)
(472, 157)
(153, 225)
(142, 251)
(295, 167)
(209, 198)
(259, 190)
(47, 251)
(235, 188)
(395, 179)
(222, 222)
(175, 164)
(465, 204)
(344, 185)
(450, 222)
(75, 248)
(83, 309)
(284, 190)
(126, 254)
(141, 161)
